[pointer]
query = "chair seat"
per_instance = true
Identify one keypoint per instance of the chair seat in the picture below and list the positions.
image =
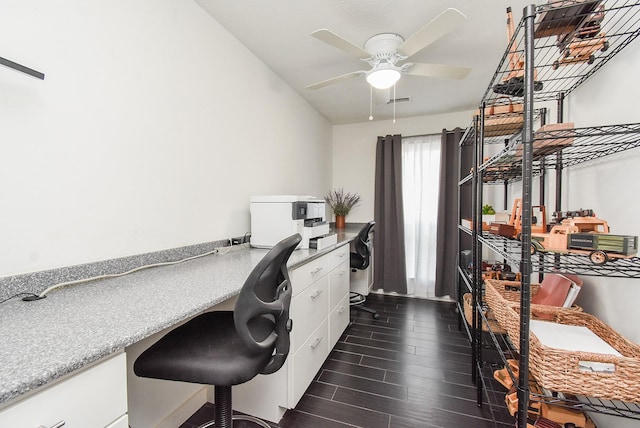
(206, 350)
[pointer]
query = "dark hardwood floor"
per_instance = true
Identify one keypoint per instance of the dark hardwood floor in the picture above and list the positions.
(409, 369)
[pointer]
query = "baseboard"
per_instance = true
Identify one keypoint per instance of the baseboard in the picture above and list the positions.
(186, 410)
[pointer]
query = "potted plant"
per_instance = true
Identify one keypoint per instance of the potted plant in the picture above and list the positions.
(489, 215)
(341, 203)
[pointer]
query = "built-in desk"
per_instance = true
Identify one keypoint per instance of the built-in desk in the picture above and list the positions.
(47, 341)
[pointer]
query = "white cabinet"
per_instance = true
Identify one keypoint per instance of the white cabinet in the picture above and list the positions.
(338, 283)
(316, 318)
(339, 302)
(338, 321)
(304, 364)
(320, 314)
(93, 397)
(318, 288)
(308, 310)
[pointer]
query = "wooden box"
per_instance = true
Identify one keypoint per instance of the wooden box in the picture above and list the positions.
(553, 137)
(502, 118)
(500, 217)
(502, 229)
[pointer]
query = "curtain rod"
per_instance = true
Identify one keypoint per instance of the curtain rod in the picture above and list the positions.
(428, 135)
(421, 135)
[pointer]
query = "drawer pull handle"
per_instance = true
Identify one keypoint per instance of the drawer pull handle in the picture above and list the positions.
(341, 255)
(58, 425)
(316, 342)
(316, 294)
(341, 310)
(315, 271)
(342, 272)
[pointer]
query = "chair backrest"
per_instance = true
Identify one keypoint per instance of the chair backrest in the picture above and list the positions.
(267, 293)
(361, 245)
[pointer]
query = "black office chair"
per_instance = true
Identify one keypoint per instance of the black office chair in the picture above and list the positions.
(359, 260)
(231, 347)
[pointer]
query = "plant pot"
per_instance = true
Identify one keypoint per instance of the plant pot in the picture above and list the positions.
(339, 222)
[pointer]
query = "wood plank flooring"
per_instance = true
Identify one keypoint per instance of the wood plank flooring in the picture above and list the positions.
(409, 369)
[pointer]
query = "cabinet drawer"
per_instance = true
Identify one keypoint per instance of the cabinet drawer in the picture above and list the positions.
(338, 256)
(308, 309)
(338, 321)
(94, 397)
(305, 363)
(305, 275)
(338, 284)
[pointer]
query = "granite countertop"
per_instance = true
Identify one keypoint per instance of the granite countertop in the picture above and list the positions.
(78, 325)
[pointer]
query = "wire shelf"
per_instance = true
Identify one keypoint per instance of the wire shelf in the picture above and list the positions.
(578, 264)
(567, 50)
(565, 148)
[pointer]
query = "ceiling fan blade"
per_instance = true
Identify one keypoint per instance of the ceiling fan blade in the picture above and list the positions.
(336, 79)
(336, 41)
(448, 21)
(439, 70)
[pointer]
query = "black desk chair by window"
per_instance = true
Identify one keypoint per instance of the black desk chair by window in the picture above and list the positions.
(359, 260)
(231, 347)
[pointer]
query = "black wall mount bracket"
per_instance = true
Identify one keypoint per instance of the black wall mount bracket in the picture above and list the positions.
(21, 68)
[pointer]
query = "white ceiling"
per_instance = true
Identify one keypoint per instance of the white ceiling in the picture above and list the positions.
(278, 32)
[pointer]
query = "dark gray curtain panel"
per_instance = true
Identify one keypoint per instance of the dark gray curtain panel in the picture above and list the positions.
(447, 235)
(389, 268)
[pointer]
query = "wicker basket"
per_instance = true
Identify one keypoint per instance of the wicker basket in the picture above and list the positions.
(468, 315)
(502, 295)
(559, 370)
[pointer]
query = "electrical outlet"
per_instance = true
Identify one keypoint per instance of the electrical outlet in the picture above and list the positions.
(236, 241)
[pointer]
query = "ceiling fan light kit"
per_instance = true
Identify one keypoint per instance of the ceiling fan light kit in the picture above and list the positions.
(383, 77)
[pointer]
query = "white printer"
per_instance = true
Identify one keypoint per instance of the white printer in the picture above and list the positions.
(274, 217)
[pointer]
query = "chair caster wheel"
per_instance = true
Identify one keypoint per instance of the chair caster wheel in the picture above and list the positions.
(375, 316)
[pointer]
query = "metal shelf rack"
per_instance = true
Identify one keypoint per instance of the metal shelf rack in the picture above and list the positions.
(554, 49)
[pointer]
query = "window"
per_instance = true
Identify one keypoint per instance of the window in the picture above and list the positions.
(420, 186)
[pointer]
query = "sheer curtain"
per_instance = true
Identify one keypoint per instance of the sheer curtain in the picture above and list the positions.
(420, 187)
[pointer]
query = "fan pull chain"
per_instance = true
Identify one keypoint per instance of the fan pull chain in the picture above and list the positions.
(394, 103)
(370, 102)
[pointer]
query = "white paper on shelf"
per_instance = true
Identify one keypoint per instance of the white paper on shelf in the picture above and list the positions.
(571, 295)
(574, 338)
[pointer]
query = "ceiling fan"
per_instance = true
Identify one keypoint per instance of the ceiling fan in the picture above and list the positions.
(384, 51)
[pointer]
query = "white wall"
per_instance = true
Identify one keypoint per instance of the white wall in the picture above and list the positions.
(609, 186)
(151, 130)
(354, 152)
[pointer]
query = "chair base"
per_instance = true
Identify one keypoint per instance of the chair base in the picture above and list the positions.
(248, 418)
(356, 301)
(224, 411)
